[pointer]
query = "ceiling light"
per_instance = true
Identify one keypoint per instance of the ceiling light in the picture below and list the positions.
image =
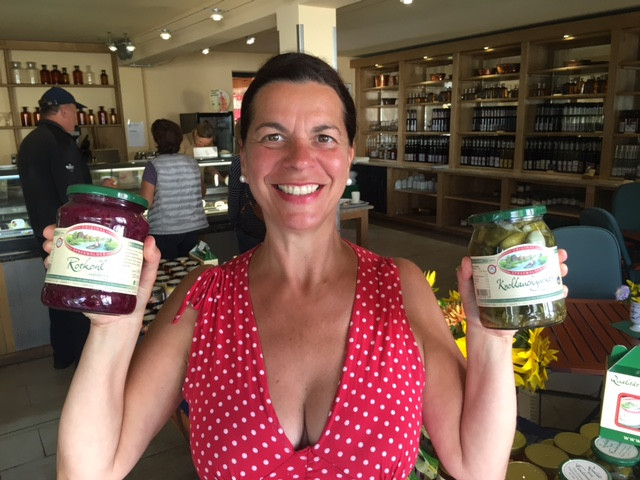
(206, 51)
(110, 43)
(217, 14)
(406, 2)
(165, 34)
(128, 44)
(251, 40)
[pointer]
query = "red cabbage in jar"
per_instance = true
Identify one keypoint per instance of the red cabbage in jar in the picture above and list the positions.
(97, 251)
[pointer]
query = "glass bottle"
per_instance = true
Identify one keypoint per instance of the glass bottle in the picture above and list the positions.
(37, 115)
(56, 76)
(31, 73)
(82, 117)
(113, 117)
(26, 119)
(15, 72)
(102, 116)
(45, 75)
(91, 79)
(104, 78)
(64, 76)
(91, 117)
(77, 75)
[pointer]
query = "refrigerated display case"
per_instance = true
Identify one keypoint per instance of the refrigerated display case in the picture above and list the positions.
(222, 124)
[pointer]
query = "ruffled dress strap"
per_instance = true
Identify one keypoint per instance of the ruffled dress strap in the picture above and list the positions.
(200, 291)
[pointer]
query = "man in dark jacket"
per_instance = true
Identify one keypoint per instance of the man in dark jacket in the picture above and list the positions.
(49, 160)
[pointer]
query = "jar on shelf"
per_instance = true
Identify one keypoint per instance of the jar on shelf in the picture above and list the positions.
(56, 75)
(31, 74)
(82, 117)
(104, 78)
(516, 248)
(90, 76)
(77, 75)
(577, 467)
(64, 76)
(15, 72)
(91, 117)
(113, 117)
(45, 75)
(37, 116)
(102, 116)
(98, 226)
(26, 119)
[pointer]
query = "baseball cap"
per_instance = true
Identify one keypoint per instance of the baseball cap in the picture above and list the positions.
(57, 96)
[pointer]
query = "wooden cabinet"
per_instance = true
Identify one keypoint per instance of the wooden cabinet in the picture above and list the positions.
(14, 97)
(544, 115)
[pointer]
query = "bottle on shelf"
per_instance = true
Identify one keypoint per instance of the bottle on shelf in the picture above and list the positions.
(45, 75)
(26, 119)
(31, 75)
(90, 76)
(102, 116)
(113, 117)
(82, 117)
(15, 72)
(64, 76)
(77, 75)
(104, 78)
(91, 117)
(56, 75)
(37, 115)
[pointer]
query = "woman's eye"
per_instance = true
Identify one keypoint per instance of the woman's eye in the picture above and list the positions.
(273, 137)
(325, 139)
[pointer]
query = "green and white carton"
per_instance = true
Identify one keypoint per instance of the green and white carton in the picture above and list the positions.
(620, 418)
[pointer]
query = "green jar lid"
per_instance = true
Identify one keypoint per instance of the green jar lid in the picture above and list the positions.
(547, 457)
(507, 215)
(519, 443)
(616, 453)
(88, 189)
(582, 469)
(574, 444)
(524, 471)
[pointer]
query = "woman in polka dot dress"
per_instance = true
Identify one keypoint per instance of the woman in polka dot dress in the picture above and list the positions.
(307, 357)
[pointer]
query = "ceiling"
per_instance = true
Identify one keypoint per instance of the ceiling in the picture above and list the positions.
(364, 27)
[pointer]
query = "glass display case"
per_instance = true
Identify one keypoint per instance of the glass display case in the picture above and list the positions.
(15, 231)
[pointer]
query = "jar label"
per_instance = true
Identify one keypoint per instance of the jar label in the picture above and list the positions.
(89, 255)
(623, 451)
(583, 470)
(520, 275)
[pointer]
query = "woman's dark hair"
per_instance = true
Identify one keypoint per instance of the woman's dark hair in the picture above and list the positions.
(167, 135)
(297, 68)
(205, 130)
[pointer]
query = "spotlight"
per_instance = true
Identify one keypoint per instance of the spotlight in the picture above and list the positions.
(217, 14)
(165, 34)
(251, 40)
(110, 43)
(128, 44)
(206, 51)
(406, 2)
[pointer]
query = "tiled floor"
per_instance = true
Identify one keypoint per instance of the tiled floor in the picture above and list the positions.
(32, 393)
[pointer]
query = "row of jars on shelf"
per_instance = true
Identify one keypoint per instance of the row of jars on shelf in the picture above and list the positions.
(575, 86)
(101, 117)
(30, 75)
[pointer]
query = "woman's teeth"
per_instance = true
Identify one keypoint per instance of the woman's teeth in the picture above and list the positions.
(298, 190)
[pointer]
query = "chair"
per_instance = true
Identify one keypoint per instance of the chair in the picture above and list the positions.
(595, 270)
(625, 204)
(599, 217)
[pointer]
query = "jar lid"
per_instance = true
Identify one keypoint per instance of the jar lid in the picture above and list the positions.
(524, 470)
(584, 469)
(574, 444)
(507, 215)
(545, 456)
(590, 430)
(89, 189)
(519, 443)
(616, 453)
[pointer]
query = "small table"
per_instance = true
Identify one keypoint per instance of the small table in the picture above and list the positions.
(359, 213)
(585, 339)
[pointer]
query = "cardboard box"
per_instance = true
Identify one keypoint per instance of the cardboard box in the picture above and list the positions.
(203, 254)
(620, 418)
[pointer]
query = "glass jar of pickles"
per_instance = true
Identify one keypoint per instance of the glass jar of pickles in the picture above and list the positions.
(617, 458)
(516, 271)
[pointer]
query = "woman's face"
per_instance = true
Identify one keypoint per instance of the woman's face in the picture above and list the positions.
(297, 155)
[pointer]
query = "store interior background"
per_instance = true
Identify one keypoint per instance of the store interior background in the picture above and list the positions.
(166, 77)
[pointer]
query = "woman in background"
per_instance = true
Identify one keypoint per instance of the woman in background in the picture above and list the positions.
(172, 184)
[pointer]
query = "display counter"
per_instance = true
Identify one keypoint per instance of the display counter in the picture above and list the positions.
(24, 321)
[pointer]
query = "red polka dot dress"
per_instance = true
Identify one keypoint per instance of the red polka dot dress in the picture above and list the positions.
(373, 428)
